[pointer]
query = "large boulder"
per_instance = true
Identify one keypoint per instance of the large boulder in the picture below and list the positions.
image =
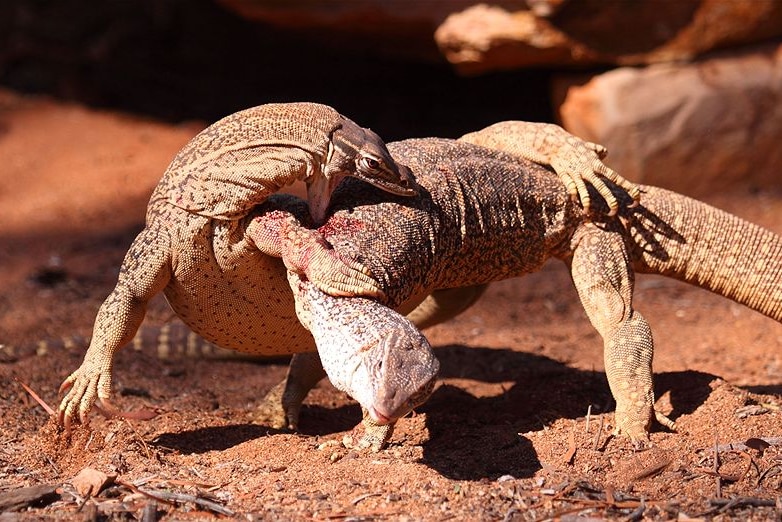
(691, 127)
(488, 37)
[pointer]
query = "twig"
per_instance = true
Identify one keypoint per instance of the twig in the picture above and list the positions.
(35, 396)
(718, 479)
(361, 498)
(724, 504)
(599, 433)
(172, 497)
(138, 436)
(589, 417)
(653, 469)
(571, 452)
(638, 513)
(761, 476)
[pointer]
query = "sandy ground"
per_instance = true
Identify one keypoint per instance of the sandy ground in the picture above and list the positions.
(506, 435)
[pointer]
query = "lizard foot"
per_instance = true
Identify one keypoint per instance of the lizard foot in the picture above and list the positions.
(277, 413)
(304, 251)
(88, 387)
(638, 433)
(369, 435)
(579, 162)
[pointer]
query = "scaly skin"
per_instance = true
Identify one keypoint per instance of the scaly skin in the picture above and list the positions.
(484, 215)
(199, 246)
(214, 271)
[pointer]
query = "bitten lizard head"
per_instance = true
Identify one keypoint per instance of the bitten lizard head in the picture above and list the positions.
(403, 375)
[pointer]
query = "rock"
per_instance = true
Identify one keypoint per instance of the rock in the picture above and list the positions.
(586, 32)
(391, 27)
(691, 127)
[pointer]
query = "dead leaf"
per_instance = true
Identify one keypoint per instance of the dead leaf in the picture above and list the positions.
(89, 482)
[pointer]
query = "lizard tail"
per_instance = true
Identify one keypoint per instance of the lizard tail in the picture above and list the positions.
(685, 239)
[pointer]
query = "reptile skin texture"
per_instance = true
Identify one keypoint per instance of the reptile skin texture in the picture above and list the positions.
(197, 249)
(484, 215)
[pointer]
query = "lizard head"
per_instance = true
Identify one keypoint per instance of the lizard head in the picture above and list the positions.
(360, 153)
(404, 377)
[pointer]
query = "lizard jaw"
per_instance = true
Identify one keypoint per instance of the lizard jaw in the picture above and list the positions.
(378, 417)
(319, 192)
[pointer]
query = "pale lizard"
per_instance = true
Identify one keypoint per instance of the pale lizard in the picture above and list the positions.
(199, 248)
(219, 282)
(485, 215)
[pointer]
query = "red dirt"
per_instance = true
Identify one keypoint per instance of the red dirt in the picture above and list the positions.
(520, 370)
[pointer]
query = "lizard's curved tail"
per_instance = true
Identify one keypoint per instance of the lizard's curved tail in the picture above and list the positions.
(685, 239)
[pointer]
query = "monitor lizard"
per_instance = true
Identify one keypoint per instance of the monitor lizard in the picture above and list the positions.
(204, 247)
(485, 215)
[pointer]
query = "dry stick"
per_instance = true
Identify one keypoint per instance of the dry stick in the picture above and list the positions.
(360, 498)
(653, 469)
(589, 416)
(138, 436)
(35, 396)
(717, 479)
(171, 497)
(725, 504)
(571, 452)
(599, 433)
(761, 476)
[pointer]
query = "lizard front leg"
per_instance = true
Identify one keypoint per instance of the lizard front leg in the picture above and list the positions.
(144, 272)
(574, 160)
(603, 277)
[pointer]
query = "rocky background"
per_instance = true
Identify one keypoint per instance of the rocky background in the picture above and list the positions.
(684, 93)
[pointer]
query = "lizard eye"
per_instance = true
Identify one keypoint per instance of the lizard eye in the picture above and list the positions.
(370, 163)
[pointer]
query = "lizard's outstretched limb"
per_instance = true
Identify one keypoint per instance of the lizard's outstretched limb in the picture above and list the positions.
(604, 280)
(576, 162)
(144, 273)
(282, 405)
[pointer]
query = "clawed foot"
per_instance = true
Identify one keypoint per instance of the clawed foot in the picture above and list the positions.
(274, 412)
(304, 251)
(638, 433)
(582, 162)
(369, 435)
(87, 388)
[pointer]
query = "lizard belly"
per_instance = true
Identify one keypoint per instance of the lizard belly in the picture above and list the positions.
(231, 294)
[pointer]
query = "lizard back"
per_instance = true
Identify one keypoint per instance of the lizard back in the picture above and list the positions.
(237, 162)
(498, 218)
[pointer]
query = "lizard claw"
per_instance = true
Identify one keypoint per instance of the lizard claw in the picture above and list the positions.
(87, 388)
(579, 163)
(305, 251)
(576, 162)
(277, 412)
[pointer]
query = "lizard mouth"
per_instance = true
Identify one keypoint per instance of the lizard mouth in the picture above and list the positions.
(402, 186)
(378, 417)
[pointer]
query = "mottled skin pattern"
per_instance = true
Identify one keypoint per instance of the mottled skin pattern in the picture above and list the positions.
(199, 246)
(382, 344)
(484, 215)
(215, 275)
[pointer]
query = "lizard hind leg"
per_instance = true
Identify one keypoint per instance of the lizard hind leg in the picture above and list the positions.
(444, 304)
(603, 277)
(281, 407)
